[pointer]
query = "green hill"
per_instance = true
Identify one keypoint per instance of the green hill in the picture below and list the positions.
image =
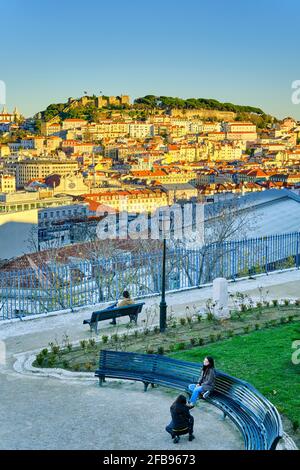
(142, 107)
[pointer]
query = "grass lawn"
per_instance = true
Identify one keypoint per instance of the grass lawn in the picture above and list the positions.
(263, 358)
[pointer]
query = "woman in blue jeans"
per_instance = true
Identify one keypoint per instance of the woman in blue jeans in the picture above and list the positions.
(206, 382)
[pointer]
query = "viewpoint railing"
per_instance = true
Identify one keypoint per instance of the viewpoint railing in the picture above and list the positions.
(66, 287)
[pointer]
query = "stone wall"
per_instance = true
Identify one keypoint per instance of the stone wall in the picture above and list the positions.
(204, 114)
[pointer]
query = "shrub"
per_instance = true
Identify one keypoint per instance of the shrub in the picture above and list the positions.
(182, 321)
(76, 367)
(104, 339)
(230, 333)
(199, 318)
(259, 305)
(244, 308)
(295, 425)
(179, 346)
(136, 333)
(282, 320)
(193, 341)
(210, 316)
(246, 329)
(275, 303)
(156, 329)
(88, 366)
(92, 343)
(52, 360)
(174, 324)
(266, 303)
(219, 336)
(189, 320)
(286, 302)
(257, 326)
(290, 318)
(69, 347)
(83, 344)
(297, 302)
(200, 341)
(40, 359)
(161, 350)
(150, 351)
(146, 331)
(115, 337)
(44, 352)
(212, 338)
(66, 364)
(55, 349)
(258, 315)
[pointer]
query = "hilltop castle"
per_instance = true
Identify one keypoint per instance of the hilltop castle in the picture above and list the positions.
(102, 101)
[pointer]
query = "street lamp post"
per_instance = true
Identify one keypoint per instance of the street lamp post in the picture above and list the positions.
(163, 305)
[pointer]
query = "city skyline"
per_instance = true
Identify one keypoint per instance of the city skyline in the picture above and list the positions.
(244, 53)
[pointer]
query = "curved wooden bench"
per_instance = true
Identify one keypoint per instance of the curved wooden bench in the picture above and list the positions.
(254, 415)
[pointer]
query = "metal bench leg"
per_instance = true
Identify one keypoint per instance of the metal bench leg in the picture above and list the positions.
(152, 385)
(146, 385)
(96, 328)
(101, 381)
(224, 416)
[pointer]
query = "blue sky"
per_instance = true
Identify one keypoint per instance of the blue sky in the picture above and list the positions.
(245, 52)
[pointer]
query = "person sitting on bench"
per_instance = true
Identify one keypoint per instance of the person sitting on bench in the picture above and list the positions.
(206, 382)
(126, 300)
(182, 421)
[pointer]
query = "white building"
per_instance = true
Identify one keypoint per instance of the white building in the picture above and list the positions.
(48, 215)
(73, 124)
(28, 170)
(139, 130)
(236, 126)
(7, 183)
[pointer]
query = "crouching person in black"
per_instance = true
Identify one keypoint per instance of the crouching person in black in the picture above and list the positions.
(182, 421)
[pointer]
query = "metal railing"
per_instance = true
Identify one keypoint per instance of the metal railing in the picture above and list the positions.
(65, 287)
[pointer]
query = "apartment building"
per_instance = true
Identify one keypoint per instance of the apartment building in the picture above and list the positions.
(133, 201)
(236, 126)
(139, 130)
(72, 123)
(50, 128)
(225, 153)
(7, 183)
(75, 146)
(50, 215)
(27, 170)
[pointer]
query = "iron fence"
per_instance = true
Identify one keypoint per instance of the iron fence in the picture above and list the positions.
(66, 287)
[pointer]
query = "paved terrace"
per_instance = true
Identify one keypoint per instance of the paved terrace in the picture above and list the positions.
(41, 412)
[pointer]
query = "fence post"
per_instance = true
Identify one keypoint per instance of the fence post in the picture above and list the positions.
(117, 278)
(266, 254)
(70, 288)
(297, 251)
(233, 260)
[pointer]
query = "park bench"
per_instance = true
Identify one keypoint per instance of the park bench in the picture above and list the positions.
(256, 417)
(111, 314)
(20, 313)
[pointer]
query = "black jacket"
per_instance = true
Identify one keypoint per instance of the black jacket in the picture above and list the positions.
(180, 415)
(208, 379)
